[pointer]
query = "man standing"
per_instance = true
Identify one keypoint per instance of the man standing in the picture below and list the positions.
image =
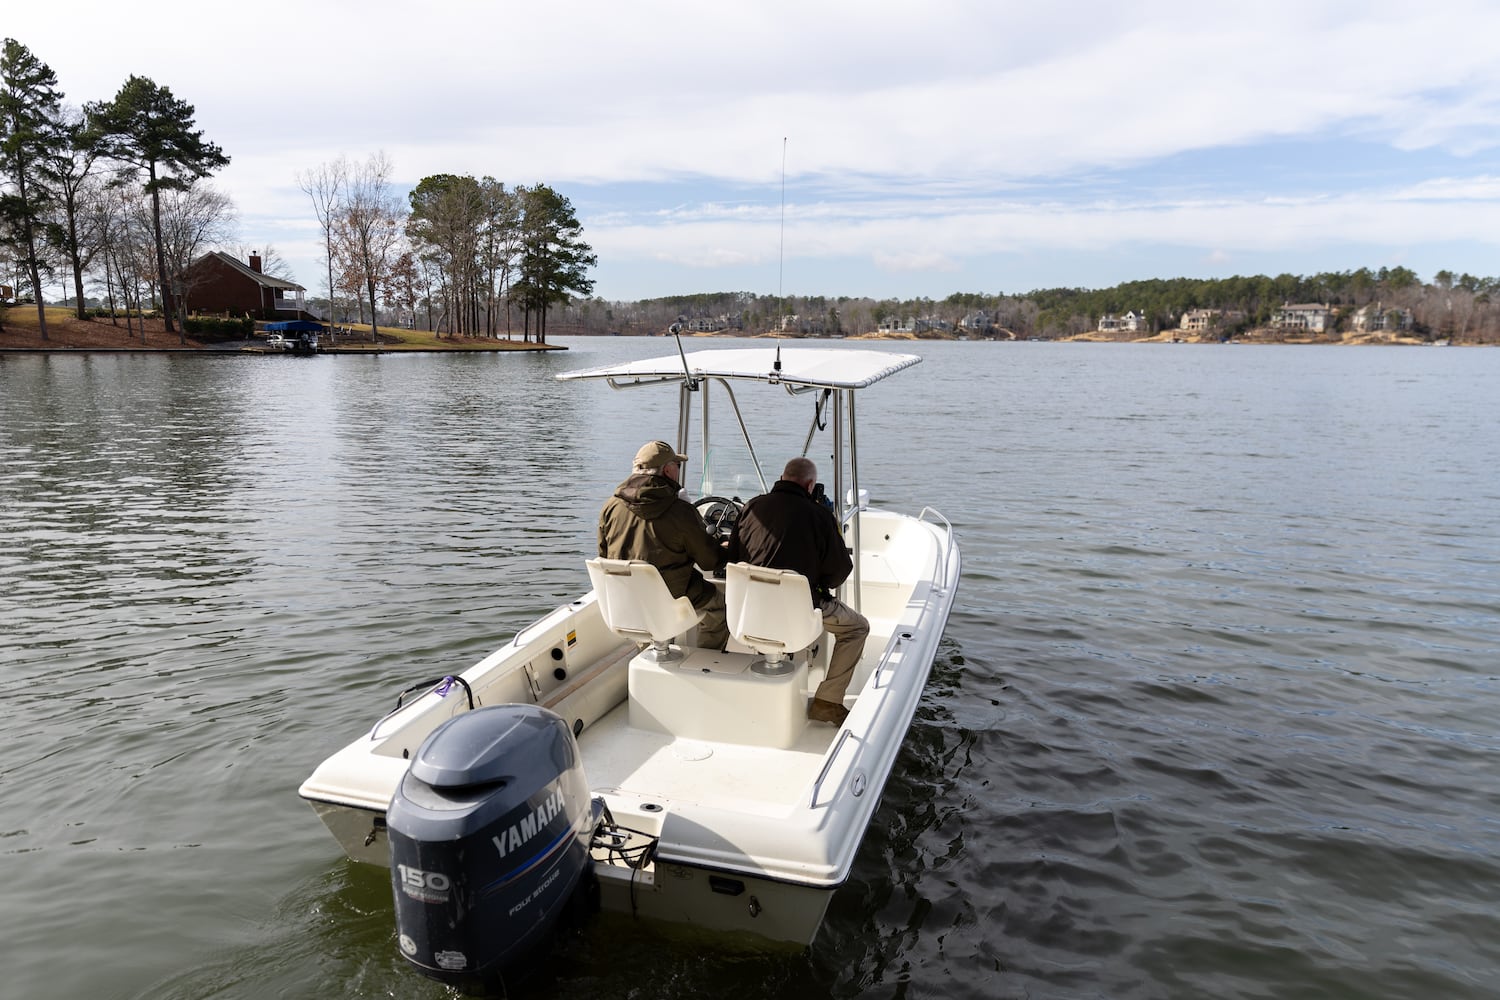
(787, 529)
(647, 520)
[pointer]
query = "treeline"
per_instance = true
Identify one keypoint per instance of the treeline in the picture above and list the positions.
(112, 189)
(1460, 307)
(113, 199)
(462, 256)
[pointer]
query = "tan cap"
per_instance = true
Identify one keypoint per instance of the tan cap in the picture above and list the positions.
(656, 455)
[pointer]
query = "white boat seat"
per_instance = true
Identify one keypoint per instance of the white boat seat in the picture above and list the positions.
(636, 604)
(771, 612)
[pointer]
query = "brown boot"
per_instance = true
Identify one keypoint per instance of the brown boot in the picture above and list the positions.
(831, 712)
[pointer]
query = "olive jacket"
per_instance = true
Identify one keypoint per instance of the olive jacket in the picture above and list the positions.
(646, 519)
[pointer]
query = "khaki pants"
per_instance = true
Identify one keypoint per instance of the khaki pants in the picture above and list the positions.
(849, 629)
(713, 629)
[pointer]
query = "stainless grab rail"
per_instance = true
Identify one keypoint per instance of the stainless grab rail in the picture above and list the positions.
(947, 527)
(832, 756)
(890, 650)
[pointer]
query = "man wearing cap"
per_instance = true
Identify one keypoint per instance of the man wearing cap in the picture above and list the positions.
(787, 529)
(647, 520)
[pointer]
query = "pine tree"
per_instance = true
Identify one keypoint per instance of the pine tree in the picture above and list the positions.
(31, 134)
(554, 258)
(152, 131)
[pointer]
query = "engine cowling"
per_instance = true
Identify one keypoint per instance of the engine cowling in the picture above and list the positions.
(489, 833)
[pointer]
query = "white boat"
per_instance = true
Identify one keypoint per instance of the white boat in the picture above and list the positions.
(722, 806)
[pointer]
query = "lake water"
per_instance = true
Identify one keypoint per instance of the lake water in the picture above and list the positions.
(1217, 712)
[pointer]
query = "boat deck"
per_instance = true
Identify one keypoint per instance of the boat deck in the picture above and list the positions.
(652, 767)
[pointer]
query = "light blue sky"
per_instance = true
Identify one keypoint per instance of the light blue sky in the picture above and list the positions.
(928, 148)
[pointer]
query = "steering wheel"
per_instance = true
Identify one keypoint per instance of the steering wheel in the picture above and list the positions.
(720, 514)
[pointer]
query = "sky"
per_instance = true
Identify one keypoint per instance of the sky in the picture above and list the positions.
(862, 148)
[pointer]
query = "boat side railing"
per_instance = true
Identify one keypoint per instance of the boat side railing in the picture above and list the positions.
(523, 635)
(833, 755)
(948, 548)
(441, 686)
(891, 648)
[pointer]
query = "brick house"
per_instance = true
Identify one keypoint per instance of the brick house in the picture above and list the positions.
(217, 283)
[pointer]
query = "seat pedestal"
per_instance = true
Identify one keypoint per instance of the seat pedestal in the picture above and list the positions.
(714, 696)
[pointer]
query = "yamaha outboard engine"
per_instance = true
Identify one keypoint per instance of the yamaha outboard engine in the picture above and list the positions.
(489, 834)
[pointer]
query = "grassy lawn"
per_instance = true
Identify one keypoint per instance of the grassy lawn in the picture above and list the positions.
(425, 340)
(19, 329)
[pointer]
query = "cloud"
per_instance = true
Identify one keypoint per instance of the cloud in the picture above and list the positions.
(913, 139)
(924, 235)
(897, 262)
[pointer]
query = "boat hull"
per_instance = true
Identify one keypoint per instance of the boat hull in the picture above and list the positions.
(748, 836)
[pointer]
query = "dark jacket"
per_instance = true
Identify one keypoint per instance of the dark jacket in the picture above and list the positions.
(787, 529)
(646, 519)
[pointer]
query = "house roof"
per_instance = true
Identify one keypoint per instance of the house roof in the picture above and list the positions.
(265, 280)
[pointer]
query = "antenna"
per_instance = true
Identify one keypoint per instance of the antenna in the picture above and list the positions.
(781, 251)
(687, 373)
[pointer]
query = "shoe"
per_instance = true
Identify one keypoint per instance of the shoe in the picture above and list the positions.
(831, 712)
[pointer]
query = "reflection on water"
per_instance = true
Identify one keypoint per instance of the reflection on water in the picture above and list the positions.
(1215, 714)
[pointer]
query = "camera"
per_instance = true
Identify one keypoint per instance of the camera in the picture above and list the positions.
(821, 496)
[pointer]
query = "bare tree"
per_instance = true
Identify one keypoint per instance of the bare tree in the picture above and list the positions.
(430, 280)
(371, 225)
(271, 261)
(74, 185)
(122, 218)
(401, 284)
(325, 184)
(193, 218)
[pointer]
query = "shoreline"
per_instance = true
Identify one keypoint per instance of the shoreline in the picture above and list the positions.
(68, 335)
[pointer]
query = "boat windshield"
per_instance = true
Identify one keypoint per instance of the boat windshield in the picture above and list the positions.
(729, 471)
(737, 469)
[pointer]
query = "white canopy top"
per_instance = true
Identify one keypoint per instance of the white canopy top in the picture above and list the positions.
(821, 367)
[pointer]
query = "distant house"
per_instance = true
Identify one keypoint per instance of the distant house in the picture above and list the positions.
(812, 325)
(1203, 320)
(1131, 322)
(1374, 319)
(1197, 320)
(217, 283)
(980, 321)
(914, 325)
(1313, 317)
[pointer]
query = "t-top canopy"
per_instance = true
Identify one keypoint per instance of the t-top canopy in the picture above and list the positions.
(820, 367)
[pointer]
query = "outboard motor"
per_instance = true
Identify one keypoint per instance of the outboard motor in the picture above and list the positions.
(489, 833)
